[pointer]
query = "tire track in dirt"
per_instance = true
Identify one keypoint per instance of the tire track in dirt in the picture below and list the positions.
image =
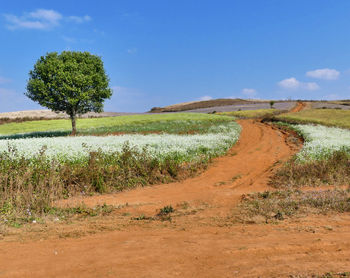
(246, 168)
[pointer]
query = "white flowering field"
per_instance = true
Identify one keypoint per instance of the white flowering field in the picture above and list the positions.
(321, 141)
(184, 147)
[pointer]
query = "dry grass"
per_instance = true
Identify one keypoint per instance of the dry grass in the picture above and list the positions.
(325, 275)
(334, 170)
(272, 206)
(28, 187)
(328, 117)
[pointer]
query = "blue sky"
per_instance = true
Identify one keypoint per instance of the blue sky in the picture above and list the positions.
(160, 52)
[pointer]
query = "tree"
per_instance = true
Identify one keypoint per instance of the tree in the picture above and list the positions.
(271, 103)
(71, 82)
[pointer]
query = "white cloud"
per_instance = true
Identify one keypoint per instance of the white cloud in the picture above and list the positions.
(40, 19)
(289, 83)
(79, 19)
(249, 92)
(4, 80)
(327, 74)
(294, 84)
(50, 16)
(203, 98)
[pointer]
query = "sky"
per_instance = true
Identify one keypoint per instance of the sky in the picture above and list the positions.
(161, 52)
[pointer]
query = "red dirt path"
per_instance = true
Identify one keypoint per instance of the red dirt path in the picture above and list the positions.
(201, 241)
(298, 107)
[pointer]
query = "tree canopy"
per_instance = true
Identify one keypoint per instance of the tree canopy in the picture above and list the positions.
(71, 82)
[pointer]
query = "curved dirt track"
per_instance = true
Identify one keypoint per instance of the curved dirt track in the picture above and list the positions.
(246, 168)
(202, 243)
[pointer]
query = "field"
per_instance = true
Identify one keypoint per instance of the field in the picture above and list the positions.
(251, 113)
(199, 104)
(271, 195)
(169, 123)
(178, 145)
(328, 117)
(321, 141)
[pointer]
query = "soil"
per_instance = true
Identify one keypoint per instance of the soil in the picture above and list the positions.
(299, 106)
(201, 239)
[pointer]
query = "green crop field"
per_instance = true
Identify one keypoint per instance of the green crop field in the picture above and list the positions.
(251, 113)
(328, 117)
(168, 123)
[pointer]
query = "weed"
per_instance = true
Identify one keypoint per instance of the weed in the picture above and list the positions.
(166, 210)
(142, 217)
(164, 213)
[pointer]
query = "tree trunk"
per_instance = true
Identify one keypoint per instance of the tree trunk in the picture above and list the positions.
(74, 124)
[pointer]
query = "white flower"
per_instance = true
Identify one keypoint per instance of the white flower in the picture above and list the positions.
(321, 141)
(217, 141)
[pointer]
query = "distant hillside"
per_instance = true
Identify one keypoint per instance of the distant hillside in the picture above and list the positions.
(202, 104)
(47, 114)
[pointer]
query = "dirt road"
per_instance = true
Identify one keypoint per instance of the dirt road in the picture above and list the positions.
(201, 240)
(298, 107)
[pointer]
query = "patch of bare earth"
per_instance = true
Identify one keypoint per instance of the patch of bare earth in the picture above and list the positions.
(199, 239)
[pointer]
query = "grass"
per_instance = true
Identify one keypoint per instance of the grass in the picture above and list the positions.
(259, 113)
(29, 187)
(272, 206)
(328, 117)
(168, 123)
(289, 199)
(335, 275)
(332, 171)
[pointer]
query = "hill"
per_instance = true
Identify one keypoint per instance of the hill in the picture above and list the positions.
(185, 106)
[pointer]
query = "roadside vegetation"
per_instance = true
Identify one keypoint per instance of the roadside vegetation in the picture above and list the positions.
(34, 172)
(323, 161)
(272, 206)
